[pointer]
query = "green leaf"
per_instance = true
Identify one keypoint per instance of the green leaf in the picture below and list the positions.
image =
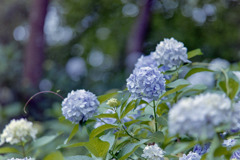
(128, 108)
(105, 97)
(194, 53)
(78, 158)
(183, 146)
(44, 140)
(195, 88)
(97, 147)
(129, 149)
(101, 129)
(220, 151)
(157, 137)
(54, 155)
(106, 115)
(109, 137)
(177, 83)
(233, 87)
(5, 150)
(195, 70)
(174, 90)
(74, 131)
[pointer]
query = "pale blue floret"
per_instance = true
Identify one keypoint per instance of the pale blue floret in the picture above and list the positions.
(236, 155)
(79, 106)
(146, 82)
(229, 143)
(201, 150)
(191, 156)
(170, 53)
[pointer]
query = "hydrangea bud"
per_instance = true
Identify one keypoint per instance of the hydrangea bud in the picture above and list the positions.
(113, 102)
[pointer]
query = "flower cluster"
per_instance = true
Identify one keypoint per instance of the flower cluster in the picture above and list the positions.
(170, 53)
(218, 64)
(235, 117)
(153, 152)
(229, 143)
(201, 150)
(235, 155)
(198, 116)
(22, 159)
(113, 102)
(191, 156)
(79, 106)
(146, 82)
(18, 131)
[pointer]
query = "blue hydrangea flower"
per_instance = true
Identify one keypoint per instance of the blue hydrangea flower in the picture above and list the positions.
(198, 116)
(148, 61)
(191, 156)
(218, 64)
(229, 143)
(79, 106)
(235, 155)
(146, 82)
(201, 150)
(170, 53)
(236, 117)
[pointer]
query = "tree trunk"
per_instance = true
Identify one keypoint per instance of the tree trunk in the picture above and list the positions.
(138, 34)
(34, 55)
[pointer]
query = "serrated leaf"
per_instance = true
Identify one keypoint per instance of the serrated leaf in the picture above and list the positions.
(196, 70)
(73, 133)
(44, 140)
(97, 147)
(157, 137)
(129, 149)
(79, 157)
(101, 129)
(233, 87)
(109, 137)
(128, 108)
(177, 83)
(54, 156)
(5, 150)
(105, 97)
(194, 53)
(106, 115)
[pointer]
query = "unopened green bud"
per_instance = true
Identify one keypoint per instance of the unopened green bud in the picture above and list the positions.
(113, 102)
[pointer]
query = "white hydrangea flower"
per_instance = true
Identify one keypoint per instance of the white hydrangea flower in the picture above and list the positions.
(191, 156)
(235, 117)
(153, 152)
(199, 115)
(22, 158)
(170, 53)
(18, 131)
(218, 64)
(197, 79)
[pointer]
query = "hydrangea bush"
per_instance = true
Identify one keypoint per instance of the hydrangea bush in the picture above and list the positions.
(172, 109)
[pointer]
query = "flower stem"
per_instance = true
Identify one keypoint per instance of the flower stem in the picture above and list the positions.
(130, 134)
(23, 150)
(155, 116)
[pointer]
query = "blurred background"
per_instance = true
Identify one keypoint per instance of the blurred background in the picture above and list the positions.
(64, 45)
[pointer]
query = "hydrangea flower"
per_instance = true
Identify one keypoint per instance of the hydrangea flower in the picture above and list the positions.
(79, 106)
(146, 82)
(235, 155)
(148, 61)
(22, 158)
(153, 152)
(199, 115)
(235, 117)
(229, 143)
(218, 64)
(170, 53)
(201, 150)
(197, 79)
(18, 131)
(191, 156)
